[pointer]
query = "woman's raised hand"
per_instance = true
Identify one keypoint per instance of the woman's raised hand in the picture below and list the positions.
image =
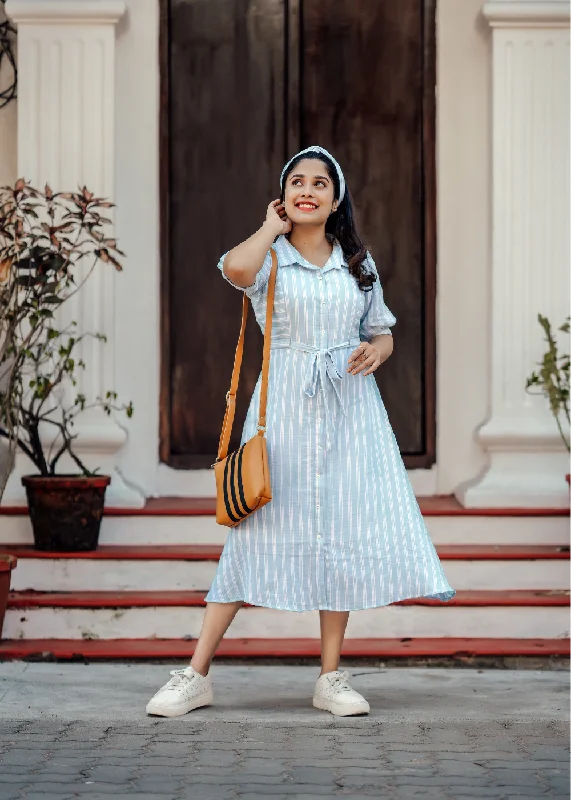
(244, 261)
(277, 218)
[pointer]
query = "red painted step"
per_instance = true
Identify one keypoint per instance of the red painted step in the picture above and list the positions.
(278, 648)
(170, 552)
(31, 599)
(442, 505)
(206, 552)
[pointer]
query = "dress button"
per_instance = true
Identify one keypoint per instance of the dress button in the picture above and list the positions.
(319, 536)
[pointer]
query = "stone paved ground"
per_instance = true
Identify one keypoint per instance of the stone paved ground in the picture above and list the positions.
(71, 730)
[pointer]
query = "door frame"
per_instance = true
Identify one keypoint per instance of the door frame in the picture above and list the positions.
(423, 460)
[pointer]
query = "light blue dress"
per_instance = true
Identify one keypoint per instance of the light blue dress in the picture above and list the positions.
(343, 530)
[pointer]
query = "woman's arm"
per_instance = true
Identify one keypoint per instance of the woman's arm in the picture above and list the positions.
(244, 261)
(374, 330)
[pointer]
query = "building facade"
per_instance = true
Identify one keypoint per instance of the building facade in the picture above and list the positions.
(91, 70)
(93, 96)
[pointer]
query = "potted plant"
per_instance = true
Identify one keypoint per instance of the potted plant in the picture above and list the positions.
(50, 243)
(552, 379)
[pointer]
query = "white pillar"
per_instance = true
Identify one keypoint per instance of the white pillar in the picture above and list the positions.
(66, 137)
(530, 257)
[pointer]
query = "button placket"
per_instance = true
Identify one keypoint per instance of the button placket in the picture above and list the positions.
(320, 455)
(318, 482)
(322, 316)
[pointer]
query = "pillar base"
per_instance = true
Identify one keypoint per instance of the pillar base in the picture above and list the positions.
(528, 465)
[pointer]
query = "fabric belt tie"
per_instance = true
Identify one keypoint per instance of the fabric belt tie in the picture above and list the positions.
(321, 365)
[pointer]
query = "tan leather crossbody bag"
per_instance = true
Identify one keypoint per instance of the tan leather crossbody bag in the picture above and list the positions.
(243, 477)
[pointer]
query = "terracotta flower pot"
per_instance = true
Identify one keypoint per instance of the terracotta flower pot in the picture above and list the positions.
(66, 510)
(7, 564)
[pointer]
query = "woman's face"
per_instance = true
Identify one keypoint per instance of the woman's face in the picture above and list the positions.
(308, 193)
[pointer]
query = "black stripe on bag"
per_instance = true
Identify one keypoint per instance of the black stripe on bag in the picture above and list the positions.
(234, 478)
(237, 508)
(226, 498)
(240, 484)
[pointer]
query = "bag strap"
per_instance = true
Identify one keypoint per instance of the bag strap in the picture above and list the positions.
(231, 394)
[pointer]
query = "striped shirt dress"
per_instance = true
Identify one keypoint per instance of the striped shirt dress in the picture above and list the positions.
(343, 531)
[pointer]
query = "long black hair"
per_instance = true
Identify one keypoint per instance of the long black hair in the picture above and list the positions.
(341, 223)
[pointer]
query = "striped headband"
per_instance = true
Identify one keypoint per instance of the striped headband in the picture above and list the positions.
(325, 153)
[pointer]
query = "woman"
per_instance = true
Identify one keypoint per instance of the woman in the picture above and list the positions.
(343, 531)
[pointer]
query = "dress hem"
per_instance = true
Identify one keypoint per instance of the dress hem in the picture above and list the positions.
(444, 597)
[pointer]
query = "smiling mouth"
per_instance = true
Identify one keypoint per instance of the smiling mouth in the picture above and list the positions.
(306, 206)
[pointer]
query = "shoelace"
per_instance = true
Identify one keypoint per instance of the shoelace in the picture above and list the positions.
(341, 682)
(179, 676)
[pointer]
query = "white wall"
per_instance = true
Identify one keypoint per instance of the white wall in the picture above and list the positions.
(464, 247)
(8, 133)
(137, 221)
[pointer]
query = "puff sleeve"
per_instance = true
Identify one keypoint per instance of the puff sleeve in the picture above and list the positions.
(262, 276)
(376, 317)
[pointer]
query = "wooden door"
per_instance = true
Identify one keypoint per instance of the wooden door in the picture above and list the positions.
(245, 84)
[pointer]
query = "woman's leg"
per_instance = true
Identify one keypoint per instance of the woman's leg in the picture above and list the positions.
(217, 619)
(333, 624)
(332, 691)
(191, 688)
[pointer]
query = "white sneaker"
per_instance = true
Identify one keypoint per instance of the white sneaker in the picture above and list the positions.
(333, 693)
(187, 689)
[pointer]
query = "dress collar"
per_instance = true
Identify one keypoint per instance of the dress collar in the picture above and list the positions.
(288, 255)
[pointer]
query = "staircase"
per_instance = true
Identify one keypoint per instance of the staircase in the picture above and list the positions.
(135, 598)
